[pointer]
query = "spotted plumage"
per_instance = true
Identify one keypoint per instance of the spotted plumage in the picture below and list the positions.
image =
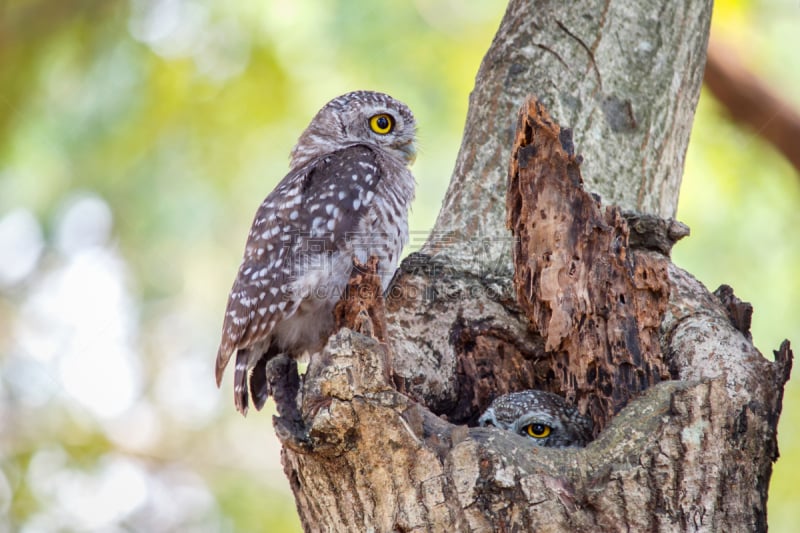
(542, 417)
(347, 193)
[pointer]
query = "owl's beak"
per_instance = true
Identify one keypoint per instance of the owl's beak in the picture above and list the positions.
(409, 152)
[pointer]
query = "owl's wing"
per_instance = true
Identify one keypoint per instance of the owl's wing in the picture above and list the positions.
(318, 204)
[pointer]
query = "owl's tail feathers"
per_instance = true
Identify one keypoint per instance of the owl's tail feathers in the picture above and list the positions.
(223, 356)
(260, 387)
(240, 380)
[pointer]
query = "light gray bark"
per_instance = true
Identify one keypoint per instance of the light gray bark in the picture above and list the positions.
(625, 76)
(693, 454)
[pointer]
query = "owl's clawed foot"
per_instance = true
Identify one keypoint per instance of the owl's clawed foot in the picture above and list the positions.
(292, 433)
(283, 383)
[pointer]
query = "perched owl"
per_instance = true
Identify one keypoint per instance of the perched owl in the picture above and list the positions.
(347, 193)
(542, 417)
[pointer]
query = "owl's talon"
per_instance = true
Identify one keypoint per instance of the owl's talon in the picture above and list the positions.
(284, 385)
(292, 433)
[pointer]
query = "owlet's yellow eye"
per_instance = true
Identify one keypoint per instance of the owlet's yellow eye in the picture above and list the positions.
(381, 124)
(537, 431)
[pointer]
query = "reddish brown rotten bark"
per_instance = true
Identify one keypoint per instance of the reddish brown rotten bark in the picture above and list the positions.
(597, 303)
(361, 307)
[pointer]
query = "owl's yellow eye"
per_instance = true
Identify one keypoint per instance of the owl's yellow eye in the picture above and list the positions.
(381, 124)
(537, 431)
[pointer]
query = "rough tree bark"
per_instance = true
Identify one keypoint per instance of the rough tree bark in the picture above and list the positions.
(687, 406)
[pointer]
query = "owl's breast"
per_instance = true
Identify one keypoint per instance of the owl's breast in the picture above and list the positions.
(322, 262)
(383, 232)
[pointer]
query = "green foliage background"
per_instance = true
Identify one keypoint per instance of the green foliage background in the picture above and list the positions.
(141, 135)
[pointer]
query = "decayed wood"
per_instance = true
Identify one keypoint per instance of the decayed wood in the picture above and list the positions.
(361, 307)
(740, 313)
(596, 302)
(649, 232)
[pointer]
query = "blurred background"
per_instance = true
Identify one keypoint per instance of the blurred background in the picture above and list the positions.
(137, 138)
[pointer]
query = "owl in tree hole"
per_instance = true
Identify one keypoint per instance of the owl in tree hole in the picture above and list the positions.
(347, 194)
(542, 417)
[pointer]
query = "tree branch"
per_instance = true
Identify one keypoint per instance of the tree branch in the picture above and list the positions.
(749, 101)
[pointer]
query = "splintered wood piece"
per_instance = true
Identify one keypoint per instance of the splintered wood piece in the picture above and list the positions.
(740, 313)
(596, 303)
(361, 307)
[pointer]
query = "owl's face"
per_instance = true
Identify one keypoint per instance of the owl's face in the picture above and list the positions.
(543, 418)
(360, 117)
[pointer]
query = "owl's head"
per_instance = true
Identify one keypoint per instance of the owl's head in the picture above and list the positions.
(545, 419)
(359, 117)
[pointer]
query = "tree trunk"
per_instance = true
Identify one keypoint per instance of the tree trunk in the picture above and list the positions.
(587, 305)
